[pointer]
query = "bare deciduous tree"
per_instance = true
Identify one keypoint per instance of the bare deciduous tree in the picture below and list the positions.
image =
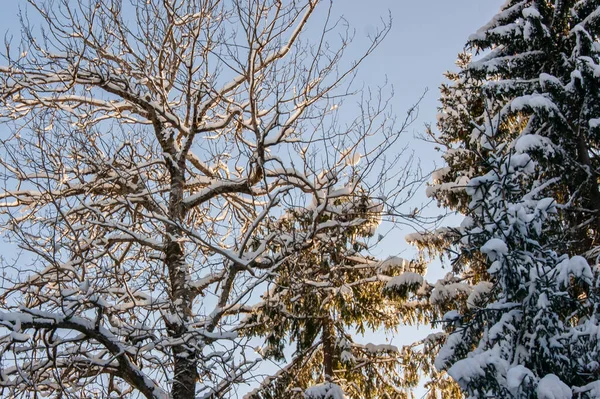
(150, 149)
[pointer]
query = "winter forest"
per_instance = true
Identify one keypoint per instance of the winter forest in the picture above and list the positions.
(197, 195)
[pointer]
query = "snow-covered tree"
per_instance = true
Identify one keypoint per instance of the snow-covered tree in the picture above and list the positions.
(519, 128)
(165, 162)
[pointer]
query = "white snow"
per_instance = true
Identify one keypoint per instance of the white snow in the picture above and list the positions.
(515, 377)
(406, 278)
(446, 352)
(535, 101)
(439, 174)
(451, 315)
(326, 390)
(594, 123)
(592, 389)
(393, 262)
(347, 357)
(531, 12)
(495, 21)
(19, 337)
(547, 204)
(531, 142)
(494, 248)
(378, 348)
(521, 162)
(458, 184)
(444, 291)
(413, 237)
(546, 79)
(551, 387)
(576, 267)
(465, 370)
(479, 291)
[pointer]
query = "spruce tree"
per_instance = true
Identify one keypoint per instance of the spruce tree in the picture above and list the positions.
(326, 296)
(520, 129)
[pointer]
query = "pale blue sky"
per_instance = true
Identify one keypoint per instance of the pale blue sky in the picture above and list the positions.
(425, 39)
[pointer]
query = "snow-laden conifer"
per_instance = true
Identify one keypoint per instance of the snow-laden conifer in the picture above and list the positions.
(518, 126)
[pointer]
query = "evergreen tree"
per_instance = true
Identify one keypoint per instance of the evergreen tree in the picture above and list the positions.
(520, 127)
(327, 294)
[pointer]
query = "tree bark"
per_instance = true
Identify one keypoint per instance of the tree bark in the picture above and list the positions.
(184, 356)
(328, 348)
(185, 373)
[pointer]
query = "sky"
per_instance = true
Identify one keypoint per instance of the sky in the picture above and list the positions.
(423, 43)
(425, 37)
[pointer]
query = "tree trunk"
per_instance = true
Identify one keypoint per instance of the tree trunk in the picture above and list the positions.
(184, 355)
(328, 348)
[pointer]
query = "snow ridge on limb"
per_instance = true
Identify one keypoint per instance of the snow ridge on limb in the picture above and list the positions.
(29, 319)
